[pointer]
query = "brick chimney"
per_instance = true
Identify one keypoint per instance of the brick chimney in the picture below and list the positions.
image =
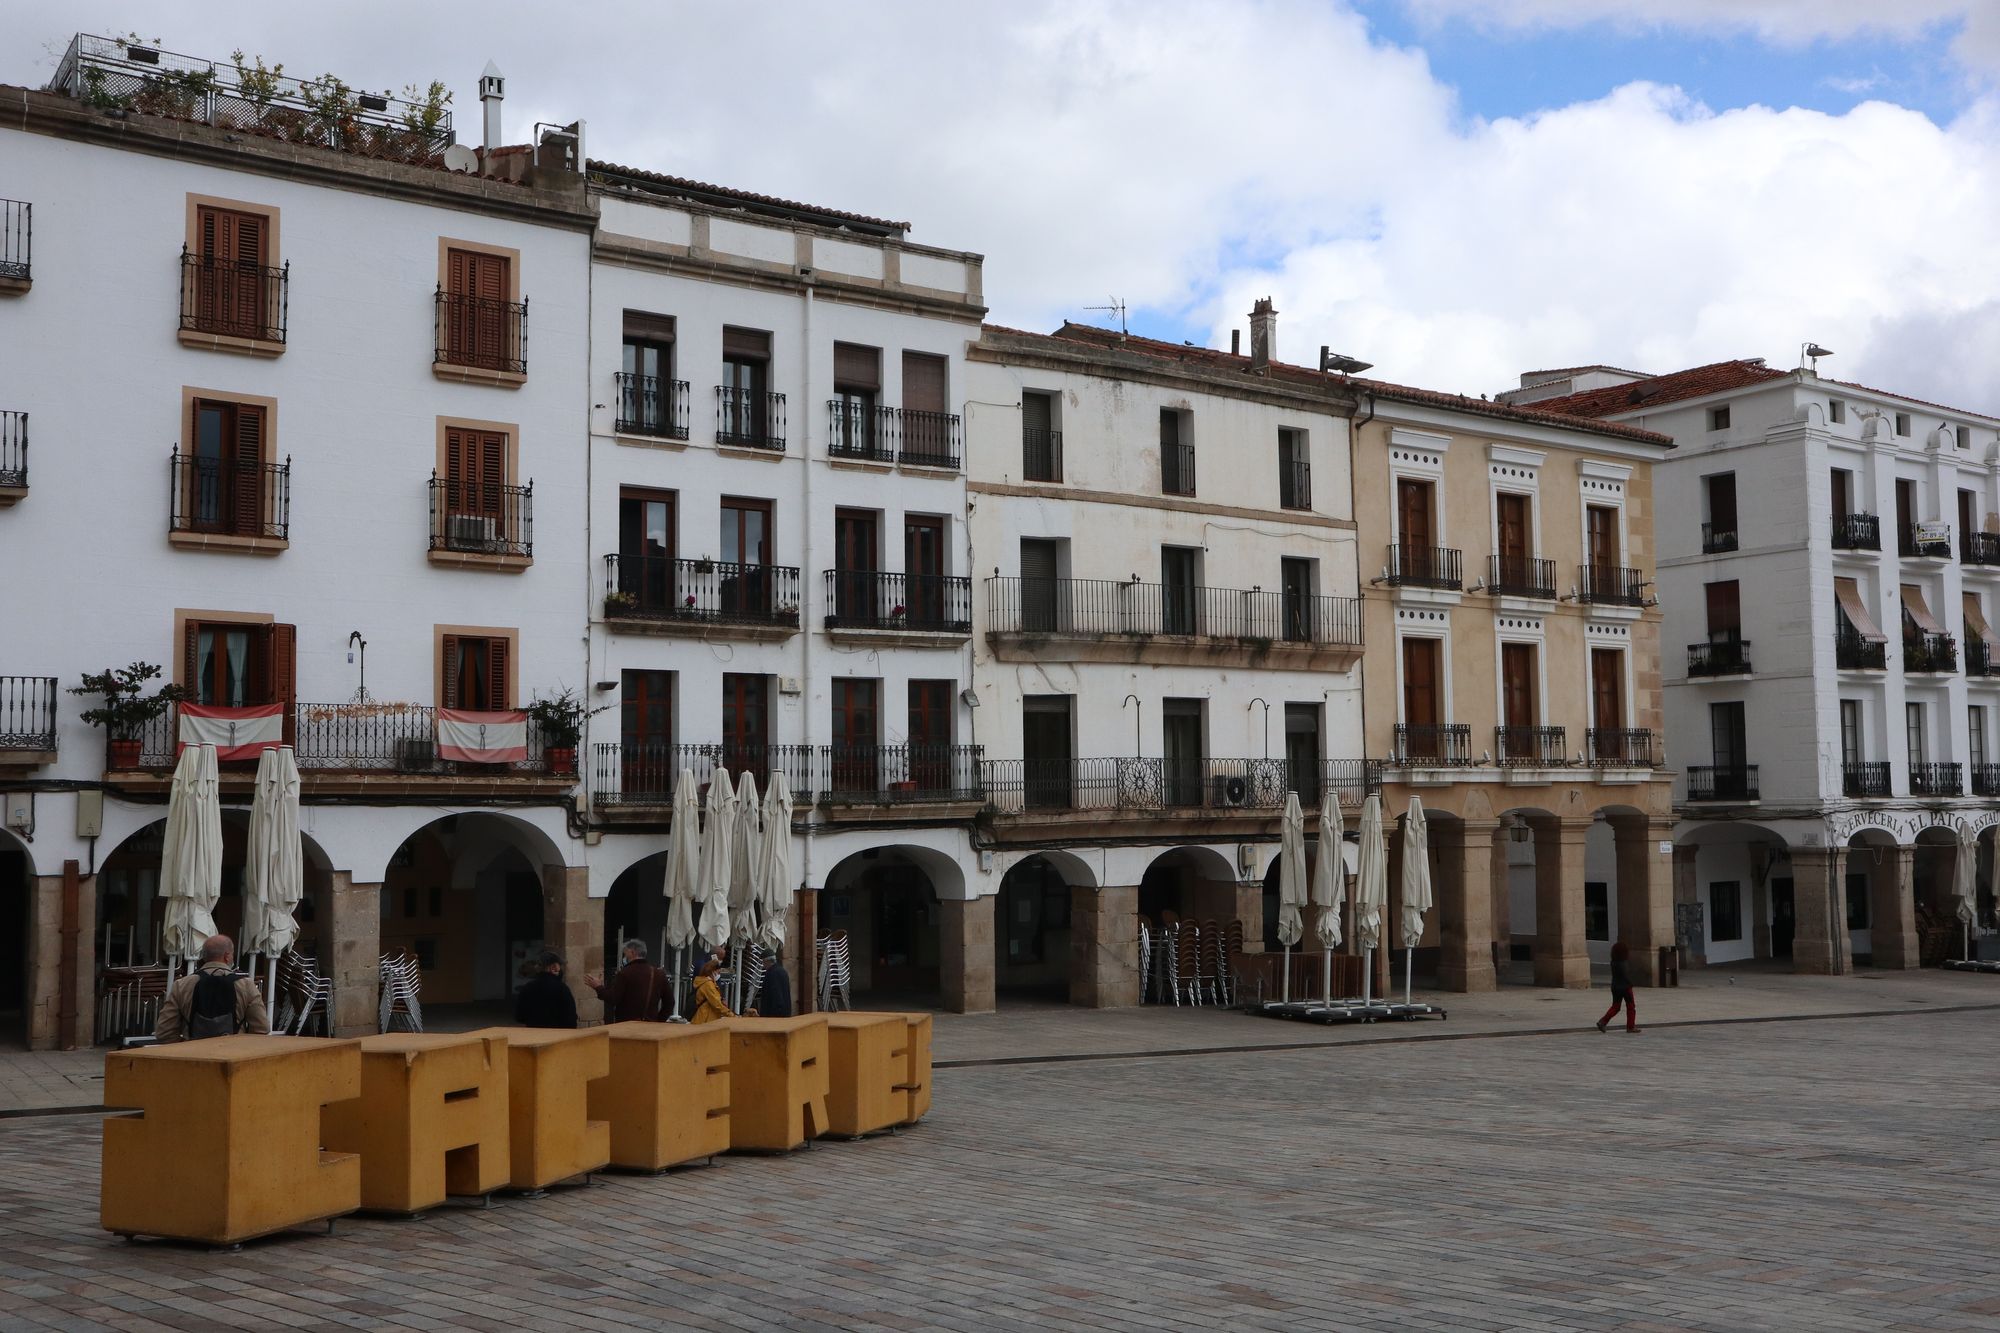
(1263, 333)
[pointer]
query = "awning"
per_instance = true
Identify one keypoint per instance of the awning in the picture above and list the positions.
(1913, 602)
(1848, 593)
(1976, 626)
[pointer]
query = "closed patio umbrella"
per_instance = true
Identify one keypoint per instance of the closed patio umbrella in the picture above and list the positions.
(1291, 882)
(774, 874)
(718, 844)
(274, 876)
(1371, 890)
(1329, 879)
(746, 851)
(1965, 884)
(191, 857)
(680, 883)
(1416, 885)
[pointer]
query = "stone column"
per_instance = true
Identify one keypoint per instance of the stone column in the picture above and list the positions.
(1104, 947)
(1760, 902)
(1465, 893)
(355, 956)
(1893, 909)
(573, 925)
(1645, 892)
(1561, 957)
(965, 954)
(1820, 910)
(1687, 891)
(48, 957)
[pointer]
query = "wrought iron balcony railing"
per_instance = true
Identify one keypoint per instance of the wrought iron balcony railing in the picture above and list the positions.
(1177, 469)
(1980, 660)
(477, 518)
(1979, 548)
(1041, 455)
(862, 599)
(645, 773)
(17, 240)
(1295, 484)
(1851, 652)
(228, 498)
(1986, 779)
(661, 588)
(1717, 540)
(1101, 607)
(1865, 779)
(28, 713)
(1930, 541)
(1719, 657)
(1711, 783)
(1148, 786)
(855, 430)
(234, 300)
(366, 737)
(924, 439)
(1622, 747)
(1425, 567)
(1928, 652)
(1520, 576)
(1611, 585)
(886, 774)
(13, 450)
(1857, 532)
(652, 406)
(747, 419)
(1442, 744)
(1530, 747)
(481, 332)
(1937, 779)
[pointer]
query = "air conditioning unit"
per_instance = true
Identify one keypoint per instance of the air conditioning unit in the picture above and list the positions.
(1228, 790)
(416, 754)
(472, 532)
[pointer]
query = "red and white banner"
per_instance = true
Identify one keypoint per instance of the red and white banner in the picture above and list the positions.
(466, 737)
(236, 733)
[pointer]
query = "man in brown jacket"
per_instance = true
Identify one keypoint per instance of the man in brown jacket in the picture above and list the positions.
(184, 1017)
(636, 992)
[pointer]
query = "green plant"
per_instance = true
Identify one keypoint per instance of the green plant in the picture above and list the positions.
(127, 706)
(425, 114)
(258, 85)
(100, 98)
(332, 104)
(177, 92)
(561, 718)
(620, 600)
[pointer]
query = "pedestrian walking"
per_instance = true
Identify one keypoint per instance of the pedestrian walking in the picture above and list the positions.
(545, 1002)
(1621, 989)
(708, 1002)
(633, 995)
(775, 1001)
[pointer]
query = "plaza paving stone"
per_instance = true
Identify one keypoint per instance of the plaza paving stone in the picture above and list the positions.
(1831, 1174)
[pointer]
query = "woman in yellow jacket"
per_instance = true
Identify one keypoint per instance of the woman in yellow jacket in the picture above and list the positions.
(708, 1002)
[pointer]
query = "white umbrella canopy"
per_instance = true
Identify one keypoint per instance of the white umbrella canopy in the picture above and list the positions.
(1965, 875)
(718, 842)
(1291, 871)
(1371, 878)
(745, 854)
(1417, 897)
(681, 884)
(191, 858)
(1329, 874)
(274, 873)
(774, 877)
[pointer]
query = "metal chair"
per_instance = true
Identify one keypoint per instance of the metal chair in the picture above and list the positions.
(401, 979)
(836, 972)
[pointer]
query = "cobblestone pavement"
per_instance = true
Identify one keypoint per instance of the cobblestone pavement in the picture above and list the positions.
(1835, 1174)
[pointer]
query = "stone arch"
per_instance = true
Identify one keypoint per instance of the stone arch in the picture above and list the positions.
(1033, 928)
(1735, 866)
(891, 902)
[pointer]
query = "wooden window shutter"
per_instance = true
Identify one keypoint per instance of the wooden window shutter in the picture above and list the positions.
(248, 246)
(490, 277)
(497, 685)
(191, 658)
(247, 504)
(458, 271)
(1036, 415)
(924, 388)
(451, 652)
(281, 673)
(643, 327)
(492, 472)
(857, 367)
(746, 345)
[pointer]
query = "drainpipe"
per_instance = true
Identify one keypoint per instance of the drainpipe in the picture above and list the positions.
(806, 988)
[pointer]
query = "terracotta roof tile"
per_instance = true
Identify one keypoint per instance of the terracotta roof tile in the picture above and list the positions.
(1640, 395)
(680, 185)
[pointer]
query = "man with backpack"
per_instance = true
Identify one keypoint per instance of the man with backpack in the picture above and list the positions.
(214, 1001)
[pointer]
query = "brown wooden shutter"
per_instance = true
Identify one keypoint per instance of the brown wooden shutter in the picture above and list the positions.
(249, 244)
(1036, 414)
(857, 367)
(924, 387)
(247, 481)
(746, 345)
(281, 673)
(458, 271)
(492, 473)
(1517, 669)
(498, 688)
(451, 652)
(1725, 611)
(643, 327)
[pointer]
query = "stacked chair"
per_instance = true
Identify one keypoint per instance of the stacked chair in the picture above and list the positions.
(305, 998)
(400, 1010)
(836, 972)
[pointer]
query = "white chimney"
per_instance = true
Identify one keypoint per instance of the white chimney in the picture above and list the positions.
(1263, 333)
(491, 89)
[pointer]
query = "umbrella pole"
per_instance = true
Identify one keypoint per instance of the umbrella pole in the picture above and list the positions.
(271, 987)
(1326, 977)
(1409, 965)
(1287, 998)
(1367, 979)
(677, 986)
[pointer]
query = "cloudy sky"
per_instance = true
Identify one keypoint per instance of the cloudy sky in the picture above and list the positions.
(1455, 190)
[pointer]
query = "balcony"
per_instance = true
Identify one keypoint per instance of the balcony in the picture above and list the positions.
(748, 419)
(924, 439)
(13, 457)
(1980, 659)
(1738, 783)
(1979, 548)
(1098, 620)
(1520, 576)
(854, 431)
(1433, 745)
(1927, 652)
(1041, 455)
(1136, 786)
(1295, 485)
(1425, 567)
(480, 338)
(17, 240)
(1717, 540)
(1530, 747)
(920, 774)
(647, 594)
(1611, 585)
(1864, 780)
(879, 607)
(1725, 657)
(27, 720)
(1857, 532)
(1936, 780)
(219, 504)
(1986, 779)
(233, 307)
(1925, 541)
(651, 407)
(1851, 652)
(481, 526)
(1622, 747)
(642, 774)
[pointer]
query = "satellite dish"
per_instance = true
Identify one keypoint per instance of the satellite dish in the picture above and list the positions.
(460, 158)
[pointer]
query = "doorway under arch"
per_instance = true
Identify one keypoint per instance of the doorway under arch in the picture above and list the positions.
(886, 899)
(17, 917)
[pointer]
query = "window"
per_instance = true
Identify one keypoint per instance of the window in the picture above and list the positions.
(1850, 732)
(480, 509)
(1843, 495)
(929, 600)
(1294, 470)
(1726, 736)
(1041, 440)
(646, 732)
(1857, 897)
(1902, 423)
(928, 438)
(1180, 577)
(857, 588)
(231, 664)
(1725, 612)
(229, 286)
(223, 485)
(1296, 579)
(1422, 689)
(746, 712)
(743, 401)
(1519, 678)
(1836, 411)
(1963, 436)
(1044, 596)
(1045, 750)
(650, 402)
(1725, 907)
(1968, 515)
(857, 387)
(1181, 750)
(1718, 418)
(1607, 707)
(855, 723)
(476, 672)
(481, 321)
(1906, 516)
(1975, 728)
(1720, 534)
(929, 735)
(646, 567)
(744, 583)
(1596, 910)
(1913, 733)
(1302, 750)
(1176, 452)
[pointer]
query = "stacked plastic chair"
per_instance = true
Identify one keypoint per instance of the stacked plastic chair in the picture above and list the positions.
(1229, 948)
(836, 972)
(1187, 963)
(754, 966)
(400, 1010)
(303, 994)
(1145, 959)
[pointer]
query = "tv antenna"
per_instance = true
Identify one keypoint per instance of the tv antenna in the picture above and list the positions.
(1117, 307)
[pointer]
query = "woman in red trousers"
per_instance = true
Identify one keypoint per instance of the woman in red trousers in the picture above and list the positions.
(1621, 989)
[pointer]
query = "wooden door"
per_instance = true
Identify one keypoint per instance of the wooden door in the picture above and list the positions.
(1602, 527)
(929, 735)
(1040, 603)
(854, 735)
(646, 735)
(646, 544)
(1422, 703)
(1725, 612)
(743, 586)
(1607, 689)
(229, 280)
(1514, 543)
(1045, 751)
(476, 322)
(1181, 750)
(1302, 750)
(923, 569)
(1517, 687)
(745, 724)
(1413, 526)
(1295, 577)
(1843, 480)
(855, 587)
(1906, 514)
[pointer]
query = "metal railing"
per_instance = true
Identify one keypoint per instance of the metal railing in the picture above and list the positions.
(1520, 576)
(1980, 659)
(650, 405)
(718, 591)
(13, 449)
(116, 74)
(223, 496)
(366, 737)
(1102, 607)
(1851, 652)
(1979, 548)
(747, 419)
(1146, 785)
(1719, 657)
(1941, 779)
(924, 439)
(1857, 532)
(482, 332)
(234, 300)
(1865, 779)
(866, 599)
(1531, 747)
(1295, 483)
(1177, 469)
(1425, 567)
(27, 713)
(1611, 585)
(887, 774)
(17, 239)
(1924, 651)
(1622, 747)
(1986, 779)
(1041, 455)
(855, 430)
(1717, 541)
(1929, 541)
(1709, 783)
(1433, 744)
(481, 518)
(646, 772)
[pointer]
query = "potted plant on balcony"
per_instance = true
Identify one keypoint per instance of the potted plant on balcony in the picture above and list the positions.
(619, 602)
(560, 718)
(127, 707)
